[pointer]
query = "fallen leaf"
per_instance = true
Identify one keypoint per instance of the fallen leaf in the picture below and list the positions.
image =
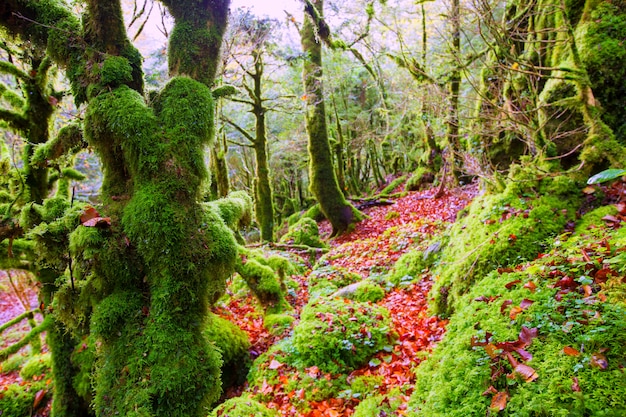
(89, 214)
(512, 284)
(490, 391)
(575, 385)
(498, 401)
(528, 373)
(98, 222)
(599, 361)
(570, 351)
(515, 311)
(526, 303)
(39, 396)
(530, 286)
(274, 364)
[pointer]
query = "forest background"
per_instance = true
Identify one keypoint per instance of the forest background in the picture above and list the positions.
(132, 242)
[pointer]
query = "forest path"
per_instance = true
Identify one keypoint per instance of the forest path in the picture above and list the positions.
(411, 223)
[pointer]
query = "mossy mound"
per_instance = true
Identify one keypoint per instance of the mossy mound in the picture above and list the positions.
(304, 232)
(548, 336)
(36, 366)
(17, 400)
(412, 265)
(381, 405)
(326, 280)
(502, 230)
(338, 335)
(363, 291)
(234, 345)
(242, 407)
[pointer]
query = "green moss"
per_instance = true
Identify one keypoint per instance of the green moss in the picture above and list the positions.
(412, 265)
(593, 219)
(304, 232)
(377, 405)
(17, 400)
(339, 335)
(35, 366)
(363, 291)
(452, 381)
(421, 178)
(501, 230)
(234, 345)
(242, 407)
(278, 323)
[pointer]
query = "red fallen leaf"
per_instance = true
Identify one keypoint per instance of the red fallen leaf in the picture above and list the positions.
(504, 305)
(490, 391)
(587, 289)
(39, 398)
(498, 401)
(570, 351)
(526, 335)
(575, 386)
(531, 286)
(621, 208)
(526, 303)
(601, 275)
(512, 284)
(599, 361)
(89, 214)
(528, 373)
(274, 364)
(512, 238)
(313, 371)
(566, 282)
(526, 356)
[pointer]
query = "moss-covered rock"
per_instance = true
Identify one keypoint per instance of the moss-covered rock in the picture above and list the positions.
(242, 407)
(338, 335)
(363, 291)
(304, 232)
(503, 230)
(234, 345)
(550, 317)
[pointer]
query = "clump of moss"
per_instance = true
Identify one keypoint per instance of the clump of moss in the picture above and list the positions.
(234, 345)
(421, 178)
(412, 265)
(278, 323)
(35, 366)
(377, 405)
(17, 400)
(325, 280)
(244, 406)
(363, 291)
(502, 230)
(577, 352)
(304, 232)
(338, 335)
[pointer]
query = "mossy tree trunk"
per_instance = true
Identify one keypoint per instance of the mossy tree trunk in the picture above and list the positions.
(31, 118)
(324, 185)
(146, 280)
(454, 87)
(540, 84)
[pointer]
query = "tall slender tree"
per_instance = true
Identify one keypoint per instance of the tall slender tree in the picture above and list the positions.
(324, 184)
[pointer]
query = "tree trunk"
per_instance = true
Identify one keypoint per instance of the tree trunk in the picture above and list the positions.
(165, 256)
(324, 185)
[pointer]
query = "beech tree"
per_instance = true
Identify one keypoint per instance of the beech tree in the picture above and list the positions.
(140, 276)
(324, 184)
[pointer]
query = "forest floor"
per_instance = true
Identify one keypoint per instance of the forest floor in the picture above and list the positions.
(369, 250)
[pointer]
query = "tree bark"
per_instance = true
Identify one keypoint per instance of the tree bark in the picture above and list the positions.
(324, 185)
